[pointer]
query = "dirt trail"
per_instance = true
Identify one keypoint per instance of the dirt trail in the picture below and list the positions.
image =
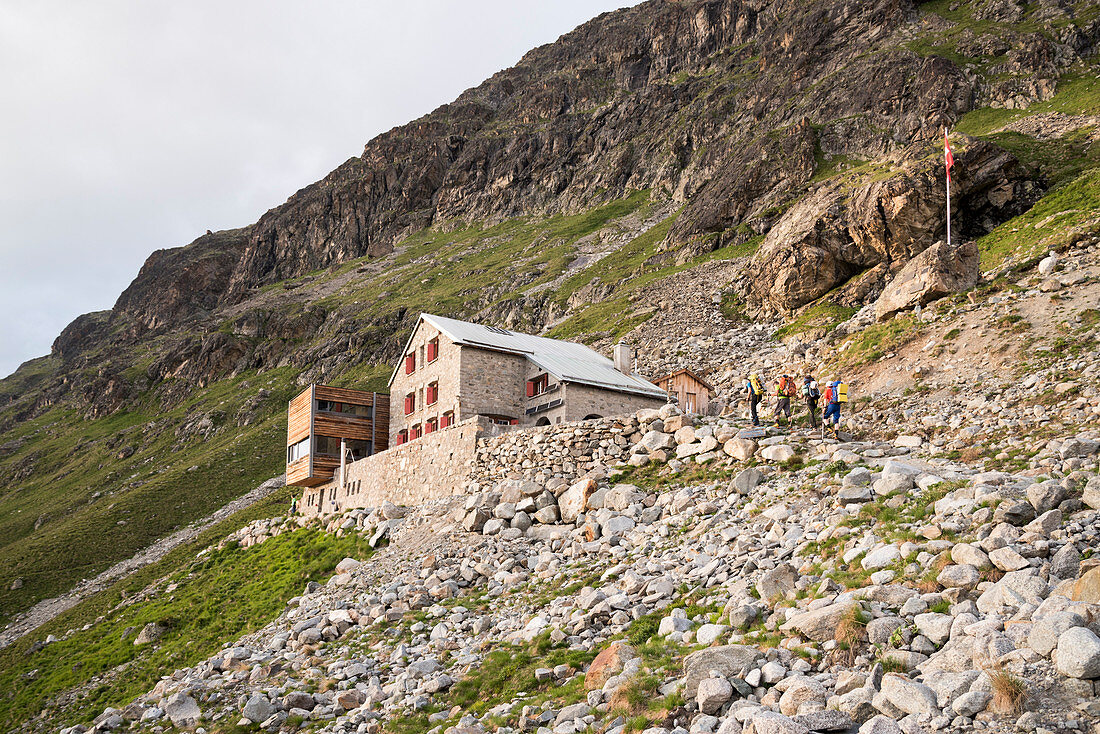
(47, 609)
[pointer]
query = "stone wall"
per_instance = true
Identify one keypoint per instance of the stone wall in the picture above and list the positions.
(565, 451)
(431, 467)
(491, 383)
(476, 455)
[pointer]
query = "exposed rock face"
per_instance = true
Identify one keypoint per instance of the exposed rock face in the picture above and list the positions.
(938, 271)
(752, 90)
(182, 282)
(834, 234)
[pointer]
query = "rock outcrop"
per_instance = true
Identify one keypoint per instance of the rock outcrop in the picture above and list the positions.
(939, 271)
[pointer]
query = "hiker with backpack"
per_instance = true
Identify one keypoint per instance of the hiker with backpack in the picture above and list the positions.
(836, 392)
(784, 391)
(755, 391)
(811, 392)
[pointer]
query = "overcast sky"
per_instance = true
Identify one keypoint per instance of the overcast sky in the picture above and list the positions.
(133, 126)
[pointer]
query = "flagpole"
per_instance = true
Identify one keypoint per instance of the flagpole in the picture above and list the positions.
(948, 168)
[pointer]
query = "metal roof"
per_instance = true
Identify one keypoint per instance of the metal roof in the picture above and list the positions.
(567, 361)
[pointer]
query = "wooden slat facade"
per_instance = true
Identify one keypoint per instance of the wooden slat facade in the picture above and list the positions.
(304, 420)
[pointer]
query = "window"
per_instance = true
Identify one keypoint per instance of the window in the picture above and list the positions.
(430, 426)
(447, 419)
(299, 450)
(330, 446)
(402, 437)
(410, 363)
(331, 406)
(410, 403)
(538, 385)
(433, 349)
(691, 404)
(414, 432)
(502, 420)
(433, 394)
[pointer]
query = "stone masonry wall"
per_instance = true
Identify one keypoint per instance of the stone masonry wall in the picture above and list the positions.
(431, 467)
(444, 370)
(563, 451)
(475, 455)
(491, 383)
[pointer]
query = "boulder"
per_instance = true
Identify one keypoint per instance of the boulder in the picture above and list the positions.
(1045, 496)
(961, 576)
(574, 500)
(1046, 631)
(819, 625)
(880, 725)
(939, 271)
(149, 633)
(747, 480)
(908, 695)
(1091, 496)
(1007, 559)
(771, 722)
(728, 660)
(655, 441)
(257, 709)
(1087, 588)
(778, 453)
(741, 449)
(964, 553)
(350, 699)
(182, 710)
(1079, 654)
(622, 496)
(881, 557)
(802, 692)
(777, 583)
(713, 694)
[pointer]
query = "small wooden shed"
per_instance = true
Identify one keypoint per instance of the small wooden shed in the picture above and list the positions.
(322, 419)
(691, 391)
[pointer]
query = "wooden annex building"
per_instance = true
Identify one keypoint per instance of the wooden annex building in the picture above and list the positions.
(321, 420)
(691, 391)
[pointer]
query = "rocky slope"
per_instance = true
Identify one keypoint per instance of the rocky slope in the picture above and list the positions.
(658, 174)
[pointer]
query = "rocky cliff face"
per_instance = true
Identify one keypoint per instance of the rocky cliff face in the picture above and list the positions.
(811, 126)
(726, 107)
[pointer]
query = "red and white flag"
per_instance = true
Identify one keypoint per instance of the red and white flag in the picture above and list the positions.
(949, 159)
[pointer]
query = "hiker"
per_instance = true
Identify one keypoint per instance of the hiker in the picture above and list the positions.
(293, 506)
(811, 392)
(755, 390)
(784, 391)
(836, 392)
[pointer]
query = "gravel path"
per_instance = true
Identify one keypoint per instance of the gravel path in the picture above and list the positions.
(47, 609)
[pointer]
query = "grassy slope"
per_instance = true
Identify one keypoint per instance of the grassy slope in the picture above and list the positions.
(164, 484)
(219, 596)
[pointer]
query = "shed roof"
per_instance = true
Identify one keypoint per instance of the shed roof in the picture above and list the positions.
(567, 361)
(689, 372)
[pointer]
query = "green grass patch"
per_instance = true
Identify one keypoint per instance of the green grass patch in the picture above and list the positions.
(878, 340)
(220, 596)
(150, 481)
(1047, 224)
(821, 317)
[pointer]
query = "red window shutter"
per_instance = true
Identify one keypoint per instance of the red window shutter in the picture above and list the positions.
(408, 404)
(514, 422)
(433, 348)
(433, 393)
(530, 388)
(410, 363)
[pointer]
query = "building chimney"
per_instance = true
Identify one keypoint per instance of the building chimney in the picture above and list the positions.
(623, 356)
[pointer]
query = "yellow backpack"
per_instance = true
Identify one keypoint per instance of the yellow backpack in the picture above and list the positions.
(837, 392)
